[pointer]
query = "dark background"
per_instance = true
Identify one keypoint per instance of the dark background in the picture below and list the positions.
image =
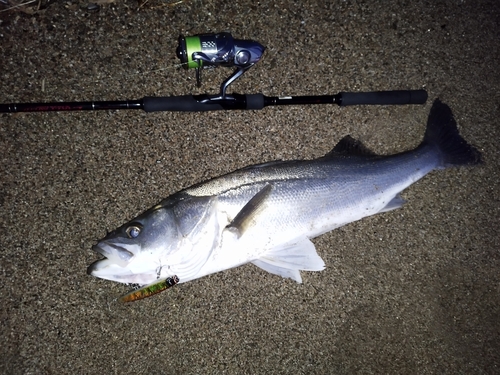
(410, 291)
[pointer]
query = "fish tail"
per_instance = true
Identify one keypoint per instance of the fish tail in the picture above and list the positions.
(442, 133)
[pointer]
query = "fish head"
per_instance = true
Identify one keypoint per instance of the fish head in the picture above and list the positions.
(174, 238)
(136, 251)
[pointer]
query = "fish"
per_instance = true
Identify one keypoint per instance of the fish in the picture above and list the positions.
(267, 214)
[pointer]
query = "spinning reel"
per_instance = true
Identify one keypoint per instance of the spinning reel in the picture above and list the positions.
(221, 49)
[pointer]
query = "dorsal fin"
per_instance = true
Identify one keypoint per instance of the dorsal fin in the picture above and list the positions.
(349, 146)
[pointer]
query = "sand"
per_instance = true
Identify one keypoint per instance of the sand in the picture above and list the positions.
(412, 291)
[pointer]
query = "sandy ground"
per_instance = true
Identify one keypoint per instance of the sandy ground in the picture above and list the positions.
(414, 291)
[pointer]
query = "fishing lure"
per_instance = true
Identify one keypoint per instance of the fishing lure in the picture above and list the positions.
(150, 290)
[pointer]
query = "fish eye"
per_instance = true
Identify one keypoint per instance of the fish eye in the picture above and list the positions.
(133, 231)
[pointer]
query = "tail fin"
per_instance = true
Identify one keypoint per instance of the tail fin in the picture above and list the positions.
(442, 133)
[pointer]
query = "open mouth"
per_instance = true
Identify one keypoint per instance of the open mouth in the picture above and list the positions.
(115, 256)
(114, 253)
(118, 264)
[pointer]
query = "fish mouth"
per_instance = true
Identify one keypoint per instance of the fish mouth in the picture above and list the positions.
(108, 270)
(115, 256)
(95, 268)
(115, 253)
(116, 264)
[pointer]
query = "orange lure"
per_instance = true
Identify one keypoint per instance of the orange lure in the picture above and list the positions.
(150, 290)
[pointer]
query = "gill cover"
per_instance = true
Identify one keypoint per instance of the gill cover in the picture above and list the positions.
(198, 223)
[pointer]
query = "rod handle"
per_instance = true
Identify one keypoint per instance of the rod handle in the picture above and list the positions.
(199, 103)
(383, 97)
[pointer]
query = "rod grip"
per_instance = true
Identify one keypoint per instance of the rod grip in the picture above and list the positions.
(384, 97)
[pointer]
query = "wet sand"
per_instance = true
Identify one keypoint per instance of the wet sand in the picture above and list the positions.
(412, 291)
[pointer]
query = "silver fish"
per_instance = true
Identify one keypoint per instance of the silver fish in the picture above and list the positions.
(266, 214)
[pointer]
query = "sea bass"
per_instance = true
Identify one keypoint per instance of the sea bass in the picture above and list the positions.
(266, 214)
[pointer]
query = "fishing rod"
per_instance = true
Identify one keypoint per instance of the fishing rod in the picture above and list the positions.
(221, 49)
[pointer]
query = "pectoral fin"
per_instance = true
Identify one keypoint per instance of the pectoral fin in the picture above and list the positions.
(288, 259)
(250, 211)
